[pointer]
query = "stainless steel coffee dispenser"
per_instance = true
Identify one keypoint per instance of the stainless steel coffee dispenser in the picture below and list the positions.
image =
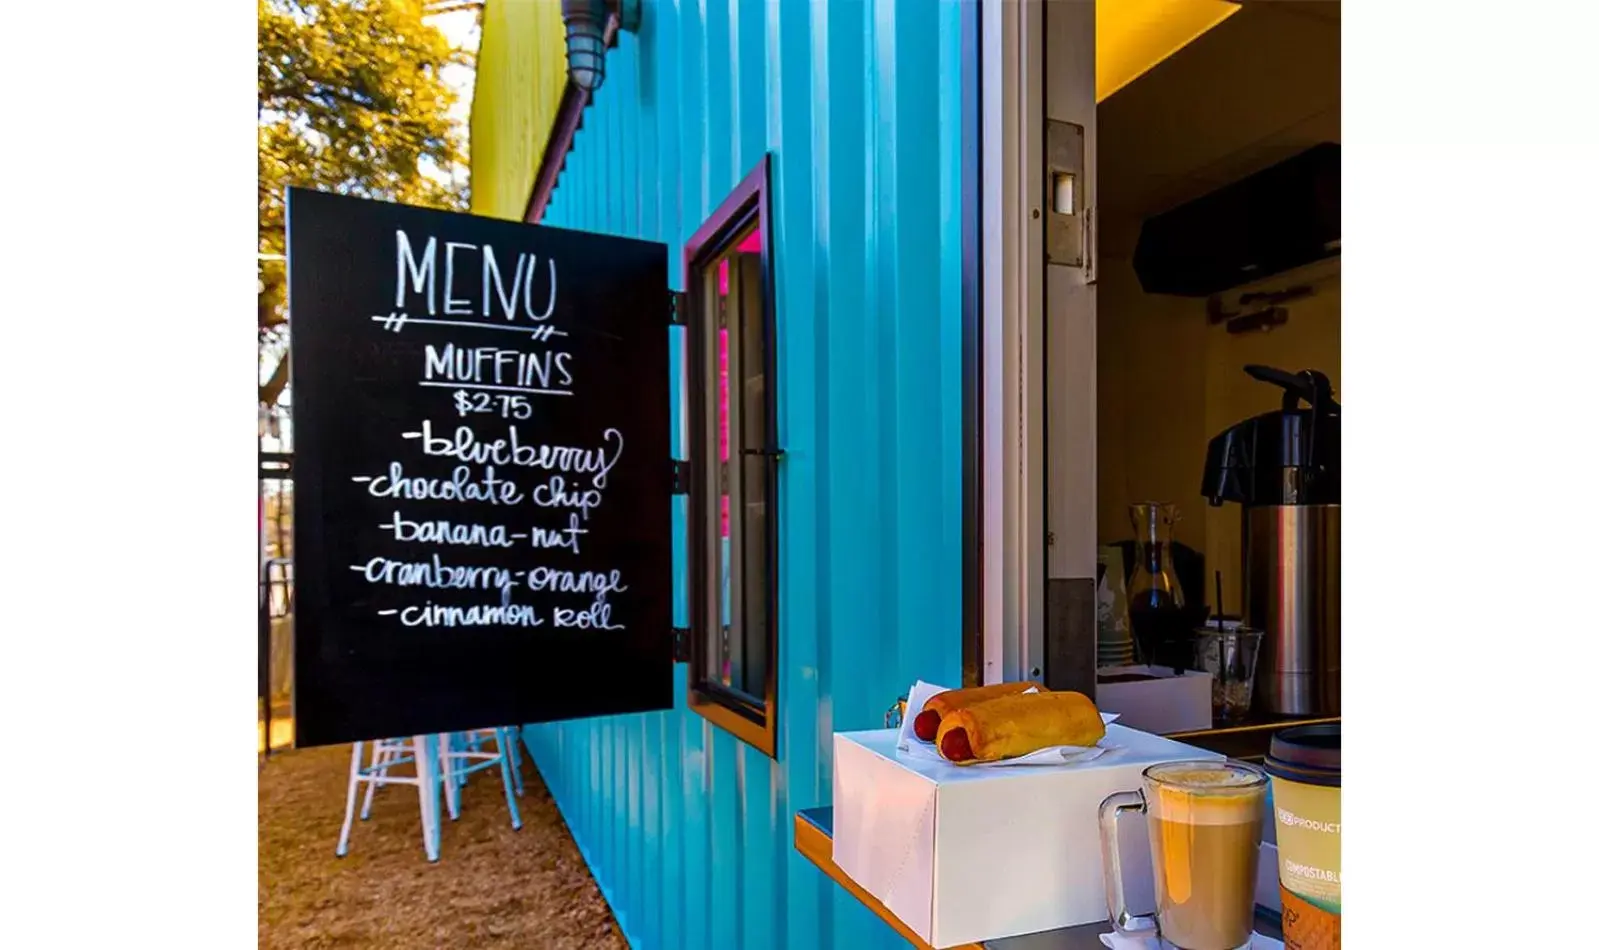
(1283, 468)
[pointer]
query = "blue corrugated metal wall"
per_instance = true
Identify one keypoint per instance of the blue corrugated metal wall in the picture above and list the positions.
(688, 830)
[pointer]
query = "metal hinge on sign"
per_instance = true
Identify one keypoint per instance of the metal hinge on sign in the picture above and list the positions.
(679, 307)
(680, 652)
(277, 465)
(680, 477)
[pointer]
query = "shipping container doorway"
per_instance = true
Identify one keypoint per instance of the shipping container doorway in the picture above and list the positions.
(1096, 117)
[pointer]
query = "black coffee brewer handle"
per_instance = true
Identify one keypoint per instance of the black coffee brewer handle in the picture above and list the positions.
(1315, 390)
(1310, 386)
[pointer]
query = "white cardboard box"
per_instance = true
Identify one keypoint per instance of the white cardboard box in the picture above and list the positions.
(963, 855)
(1169, 704)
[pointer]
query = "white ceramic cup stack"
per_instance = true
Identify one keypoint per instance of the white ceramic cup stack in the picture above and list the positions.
(1110, 611)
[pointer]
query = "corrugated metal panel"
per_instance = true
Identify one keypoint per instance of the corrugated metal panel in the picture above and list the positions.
(521, 72)
(689, 831)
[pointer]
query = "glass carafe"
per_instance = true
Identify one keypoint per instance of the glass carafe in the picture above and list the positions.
(1154, 598)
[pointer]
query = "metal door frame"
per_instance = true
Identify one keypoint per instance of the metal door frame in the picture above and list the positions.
(1033, 316)
(1012, 329)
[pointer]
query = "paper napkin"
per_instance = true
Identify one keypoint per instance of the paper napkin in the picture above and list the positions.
(1116, 941)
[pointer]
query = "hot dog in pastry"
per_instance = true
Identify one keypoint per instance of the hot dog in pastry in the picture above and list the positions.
(926, 724)
(1012, 726)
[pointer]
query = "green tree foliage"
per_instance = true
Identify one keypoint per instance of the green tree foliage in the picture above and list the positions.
(351, 100)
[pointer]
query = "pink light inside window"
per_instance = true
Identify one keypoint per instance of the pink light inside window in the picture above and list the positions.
(750, 245)
(722, 390)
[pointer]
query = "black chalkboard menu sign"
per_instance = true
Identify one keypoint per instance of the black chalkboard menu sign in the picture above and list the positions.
(482, 503)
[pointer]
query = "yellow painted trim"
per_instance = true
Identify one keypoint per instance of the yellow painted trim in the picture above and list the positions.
(521, 74)
(1131, 37)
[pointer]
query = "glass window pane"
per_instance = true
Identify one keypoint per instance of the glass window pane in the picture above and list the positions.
(735, 441)
(753, 468)
(735, 437)
(725, 618)
(718, 579)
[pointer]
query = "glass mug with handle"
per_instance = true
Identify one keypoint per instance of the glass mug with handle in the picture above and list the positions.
(1205, 820)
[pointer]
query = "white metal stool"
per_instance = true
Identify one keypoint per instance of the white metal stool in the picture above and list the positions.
(475, 740)
(423, 753)
(461, 754)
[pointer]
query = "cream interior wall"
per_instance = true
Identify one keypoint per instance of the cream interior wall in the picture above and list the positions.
(1152, 383)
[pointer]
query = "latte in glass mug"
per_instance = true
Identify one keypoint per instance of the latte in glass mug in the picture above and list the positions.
(1205, 823)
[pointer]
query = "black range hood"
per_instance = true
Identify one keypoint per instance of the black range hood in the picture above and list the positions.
(1273, 221)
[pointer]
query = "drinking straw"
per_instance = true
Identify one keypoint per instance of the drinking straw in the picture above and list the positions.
(1221, 647)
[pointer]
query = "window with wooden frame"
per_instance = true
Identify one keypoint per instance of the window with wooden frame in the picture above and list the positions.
(733, 462)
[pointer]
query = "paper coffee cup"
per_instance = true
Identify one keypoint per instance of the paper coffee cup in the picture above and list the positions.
(1304, 765)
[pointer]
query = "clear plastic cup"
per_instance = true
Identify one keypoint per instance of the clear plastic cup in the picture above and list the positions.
(1228, 654)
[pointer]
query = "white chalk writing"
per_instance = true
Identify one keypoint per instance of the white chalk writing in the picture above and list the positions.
(497, 366)
(459, 487)
(419, 274)
(463, 445)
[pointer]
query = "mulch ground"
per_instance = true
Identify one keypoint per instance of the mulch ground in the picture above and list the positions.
(492, 887)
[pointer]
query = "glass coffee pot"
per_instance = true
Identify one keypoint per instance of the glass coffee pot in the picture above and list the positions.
(1160, 618)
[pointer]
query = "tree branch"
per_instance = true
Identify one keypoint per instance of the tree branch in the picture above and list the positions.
(321, 94)
(275, 383)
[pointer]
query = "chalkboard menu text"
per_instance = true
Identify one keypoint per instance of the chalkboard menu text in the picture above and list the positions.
(482, 475)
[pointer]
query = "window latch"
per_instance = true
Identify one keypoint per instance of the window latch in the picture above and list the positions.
(771, 453)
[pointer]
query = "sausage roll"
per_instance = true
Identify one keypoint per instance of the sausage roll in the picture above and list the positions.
(1016, 725)
(926, 724)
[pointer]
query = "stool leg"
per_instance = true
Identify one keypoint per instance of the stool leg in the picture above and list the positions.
(349, 800)
(502, 739)
(427, 774)
(472, 742)
(452, 786)
(379, 766)
(514, 733)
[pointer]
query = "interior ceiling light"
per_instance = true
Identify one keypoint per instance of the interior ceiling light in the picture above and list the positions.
(1131, 37)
